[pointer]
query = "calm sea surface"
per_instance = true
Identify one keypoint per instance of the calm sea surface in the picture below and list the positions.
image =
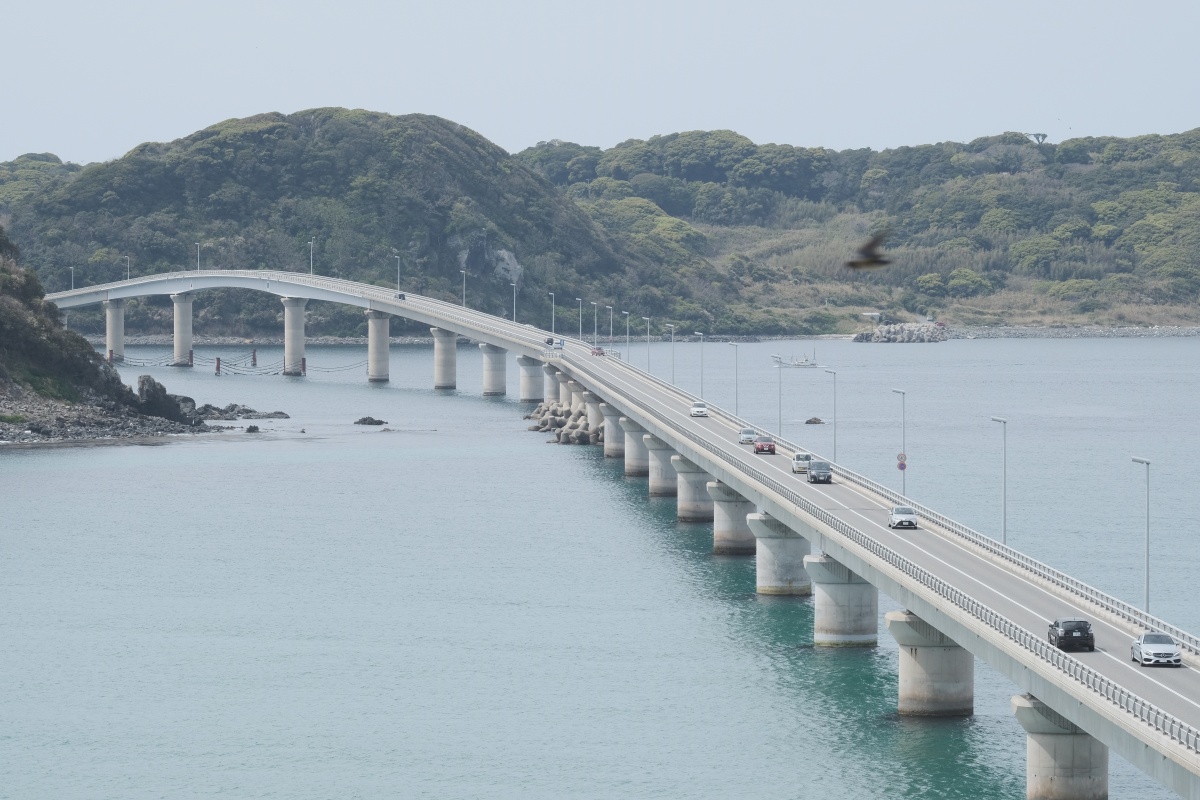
(453, 609)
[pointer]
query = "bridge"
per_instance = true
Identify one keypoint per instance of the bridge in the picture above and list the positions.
(965, 595)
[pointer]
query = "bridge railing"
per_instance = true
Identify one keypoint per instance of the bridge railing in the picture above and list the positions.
(1114, 606)
(1148, 713)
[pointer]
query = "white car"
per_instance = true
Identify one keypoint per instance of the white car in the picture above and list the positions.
(747, 436)
(699, 409)
(1156, 648)
(800, 462)
(902, 517)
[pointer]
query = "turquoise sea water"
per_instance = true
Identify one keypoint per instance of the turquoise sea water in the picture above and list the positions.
(453, 608)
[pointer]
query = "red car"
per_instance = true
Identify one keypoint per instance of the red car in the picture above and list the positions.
(764, 444)
(597, 351)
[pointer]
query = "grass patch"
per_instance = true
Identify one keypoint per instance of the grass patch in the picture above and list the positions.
(12, 419)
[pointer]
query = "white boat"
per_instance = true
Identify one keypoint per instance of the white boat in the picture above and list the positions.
(803, 361)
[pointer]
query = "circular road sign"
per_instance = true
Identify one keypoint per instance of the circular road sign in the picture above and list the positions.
(902, 458)
(901, 466)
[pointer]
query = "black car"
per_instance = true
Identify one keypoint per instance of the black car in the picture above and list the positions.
(1071, 633)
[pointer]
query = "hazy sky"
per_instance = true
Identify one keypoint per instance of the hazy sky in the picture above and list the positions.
(89, 81)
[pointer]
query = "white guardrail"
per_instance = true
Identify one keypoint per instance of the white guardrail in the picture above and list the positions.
(1148, 713)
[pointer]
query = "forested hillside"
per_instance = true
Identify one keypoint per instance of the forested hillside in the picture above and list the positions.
(703, 229)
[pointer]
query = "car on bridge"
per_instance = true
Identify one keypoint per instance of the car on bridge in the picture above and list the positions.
(819, 472)
(764, 444)
(1156, 648)
(902, 517)
(1071, 633)
(747, 436)
(598, 351)
(699, 409)
(800, 462)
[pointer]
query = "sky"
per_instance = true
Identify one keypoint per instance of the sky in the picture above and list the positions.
(90, 81)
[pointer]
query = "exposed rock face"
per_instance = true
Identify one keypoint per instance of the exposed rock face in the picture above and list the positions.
(369, 421)
(154, 401)
(905, 332)
(235, 411)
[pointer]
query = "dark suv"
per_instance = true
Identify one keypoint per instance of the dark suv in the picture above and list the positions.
(1071, 633)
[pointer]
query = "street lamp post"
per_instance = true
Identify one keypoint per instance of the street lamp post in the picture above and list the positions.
(1003, 479)
(514, 301)
(464, 300)
(735, 377)
(672, 327)
(779, 422)
(595, 311)
(72, 278)
(126, 267)
(1146, 461)
(580, 299)
(834, 374)
(627, 353)
(397, 273)
(311, 244)
(647, 343)
(903, 449)
(198, 258)
(701, 335)
(609, 325)
(551, 312)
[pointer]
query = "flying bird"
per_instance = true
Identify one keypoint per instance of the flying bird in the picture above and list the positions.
(869, 255)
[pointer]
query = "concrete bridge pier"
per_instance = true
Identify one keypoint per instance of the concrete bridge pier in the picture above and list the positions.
(591, 402)
(637, 457)
(445, 358)
(531, 390)
(564, 391)
(614, 434)
(549, 383)
(114, 330)
(779, 557)
(183, 330)
(695, 503)
(293, 334)
(1062, 762)
(576, 399)
(845, 607)
(379, 326)
(495, 375)
(937, 677)
(731, 532)
(663, 482)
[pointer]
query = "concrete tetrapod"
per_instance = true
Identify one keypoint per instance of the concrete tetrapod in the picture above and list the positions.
(495, 374)
(937, 677)
(779, 555)
(183, 332)
(845, 607)
(637, 458)
(1062, 762)
(614, 436)
(531, 379)
(379, 325)
(695, 504)
(445, 358)
(114, 329)
(731, 532)
(662, 474)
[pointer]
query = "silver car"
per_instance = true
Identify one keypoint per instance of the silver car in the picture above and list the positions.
(800, 462)
(902, 517)
(1156, 648)
(747, 436)
(699, 409)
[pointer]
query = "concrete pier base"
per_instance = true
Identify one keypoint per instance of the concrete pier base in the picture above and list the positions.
(293, 334)
(182, 357)
(114, 329)
(564, 390)
(845, 607)
(576, 390)
(591, 402)
(379, 325)
(1061, 761)
(779, 555)
(531, 379)
(445, 358)
(731, 532)
(691, 487)
(614, 434)
(937, 677)
(549, 383)
(495, 374)
(662, 474)
(637, 458)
